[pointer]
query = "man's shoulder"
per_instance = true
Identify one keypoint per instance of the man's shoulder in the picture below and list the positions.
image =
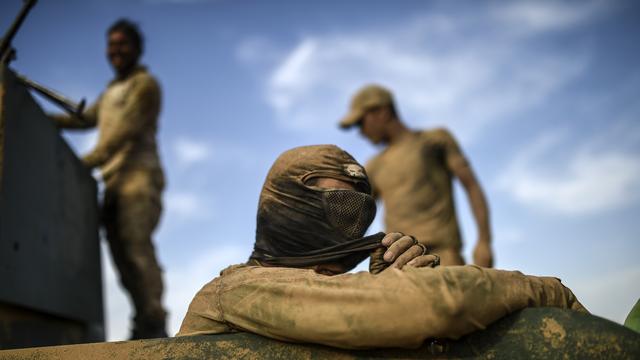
(250, 273)
(143, 76)
(371, 163)
(436, 133)
(140, 79)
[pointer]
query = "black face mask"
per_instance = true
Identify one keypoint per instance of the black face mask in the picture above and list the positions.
(349, 212)
(300, 225)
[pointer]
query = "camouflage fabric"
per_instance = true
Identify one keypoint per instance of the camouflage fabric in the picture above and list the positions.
(126, 115)
(414, 180)
(397, 308)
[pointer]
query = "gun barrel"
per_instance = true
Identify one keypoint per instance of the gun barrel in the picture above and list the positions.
(8, 37)
(62, 101)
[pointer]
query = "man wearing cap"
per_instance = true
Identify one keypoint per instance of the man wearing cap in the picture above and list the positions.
(314, 209)
(126, 115)
(413, 176)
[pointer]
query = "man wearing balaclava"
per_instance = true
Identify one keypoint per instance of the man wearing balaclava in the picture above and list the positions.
(314, 208)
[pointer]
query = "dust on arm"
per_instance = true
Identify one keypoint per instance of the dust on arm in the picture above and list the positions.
(140, 108)
(88, 119)
(398, 308)
(460, 167)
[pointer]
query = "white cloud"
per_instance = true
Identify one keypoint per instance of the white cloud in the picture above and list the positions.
(190, 151)
(441, 67)
(590, 180)
(292, 76)
(538, 16)
(189, 205)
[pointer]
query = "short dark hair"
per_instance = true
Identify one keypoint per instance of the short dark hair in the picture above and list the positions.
(131, 30)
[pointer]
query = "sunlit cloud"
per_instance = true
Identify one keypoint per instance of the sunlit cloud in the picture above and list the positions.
(538, 16)
(187, 205)
(190, 151)
(588, 179)
(436, 70)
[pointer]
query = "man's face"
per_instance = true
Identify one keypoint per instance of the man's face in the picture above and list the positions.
(121, 52)
(331, 183)
(372, 126)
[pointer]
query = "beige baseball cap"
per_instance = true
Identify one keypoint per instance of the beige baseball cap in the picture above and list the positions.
(367, 98)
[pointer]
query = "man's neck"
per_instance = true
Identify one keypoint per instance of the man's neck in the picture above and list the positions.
(396, 131)
(125, 73)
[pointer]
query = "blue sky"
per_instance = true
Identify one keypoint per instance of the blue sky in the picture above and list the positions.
(543, 97)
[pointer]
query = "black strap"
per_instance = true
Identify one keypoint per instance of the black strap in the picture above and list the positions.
(326, 255)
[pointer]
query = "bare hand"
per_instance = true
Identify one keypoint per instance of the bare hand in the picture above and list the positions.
(405, 250)
(482, 254)
(90, 160)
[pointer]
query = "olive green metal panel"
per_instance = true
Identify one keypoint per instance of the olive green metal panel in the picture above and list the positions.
(542, 333)
(633, 319)
(49, 245)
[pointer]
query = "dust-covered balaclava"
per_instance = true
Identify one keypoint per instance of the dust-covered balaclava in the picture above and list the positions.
(302, 225)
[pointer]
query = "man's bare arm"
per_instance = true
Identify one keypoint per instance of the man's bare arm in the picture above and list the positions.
(482, 254)
(88, 120)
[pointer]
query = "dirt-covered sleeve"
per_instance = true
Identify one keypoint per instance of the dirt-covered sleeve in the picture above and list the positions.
(398, 308)
(88, 120)
(203, 315)
(138, 111)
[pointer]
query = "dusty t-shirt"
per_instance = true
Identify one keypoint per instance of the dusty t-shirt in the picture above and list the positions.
(414, 180)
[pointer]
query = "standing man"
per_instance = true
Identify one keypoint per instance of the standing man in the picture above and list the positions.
(126, 115)
(413, 176)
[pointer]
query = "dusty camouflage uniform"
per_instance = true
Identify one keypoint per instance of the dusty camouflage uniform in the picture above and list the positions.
(397, 308)
(126, 115)
(414, 180)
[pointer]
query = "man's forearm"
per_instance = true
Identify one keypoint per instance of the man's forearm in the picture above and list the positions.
(480, 211)
(480, 296)
(399, 308)
(64, 121)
